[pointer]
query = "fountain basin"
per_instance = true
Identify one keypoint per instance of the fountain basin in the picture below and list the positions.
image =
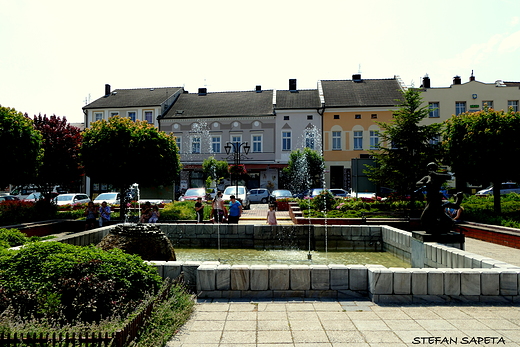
(447, 274)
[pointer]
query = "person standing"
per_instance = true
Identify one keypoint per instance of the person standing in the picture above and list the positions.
(104, 214)
(235, 210)
(271, 216)
(199, 209)
(219, 210)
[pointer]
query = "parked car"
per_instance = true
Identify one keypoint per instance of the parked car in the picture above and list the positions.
(33, 197)
(193, 194)
(71, 199)
(314, 192)
(112, 198)
(242, 196)
(339, 192)
(282, 194)
(505, 188)
(260, 195)
(8, 198)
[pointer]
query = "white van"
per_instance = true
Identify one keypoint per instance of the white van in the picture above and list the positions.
(242, 196)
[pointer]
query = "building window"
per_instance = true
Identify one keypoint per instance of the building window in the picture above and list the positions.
(98, 116)
(373, 116)
(336, 116)
(114, 113)
(460, 107)
(285, 117)
(148, 116)
(131, 115)
(286, 140)
(195, 145)
(336, 140)
(358, 140)
(488, 104)
(309, 139)
(374, 139)
(257, 143)
(513, 104)
(357, 116)
(178, 141)
(433, 108)
(309, 117)
(215, 144)
(237, 140)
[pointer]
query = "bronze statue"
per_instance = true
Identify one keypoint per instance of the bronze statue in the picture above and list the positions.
(434, 218)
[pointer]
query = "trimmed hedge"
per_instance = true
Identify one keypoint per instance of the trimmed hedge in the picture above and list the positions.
(67, 283)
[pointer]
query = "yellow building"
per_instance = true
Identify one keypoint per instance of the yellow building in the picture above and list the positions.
(352, 108)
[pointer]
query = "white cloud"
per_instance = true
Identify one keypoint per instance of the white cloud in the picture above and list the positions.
(510, 43)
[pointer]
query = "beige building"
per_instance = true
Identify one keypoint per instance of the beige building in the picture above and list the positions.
(470, 96)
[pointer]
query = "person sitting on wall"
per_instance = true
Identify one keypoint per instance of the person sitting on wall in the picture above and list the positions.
(155, 214)
(146, 212)
(104, 214)
(91, 214)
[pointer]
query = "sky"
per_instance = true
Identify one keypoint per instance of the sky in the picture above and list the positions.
(57, 55)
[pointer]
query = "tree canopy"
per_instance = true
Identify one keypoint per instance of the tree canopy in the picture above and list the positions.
(21, 146)
(405, 147)
(215, 169)
(482, 147)
(61, 163)
(304, 170)
(122, 152)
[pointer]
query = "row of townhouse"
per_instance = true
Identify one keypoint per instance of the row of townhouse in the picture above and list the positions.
(338, 118)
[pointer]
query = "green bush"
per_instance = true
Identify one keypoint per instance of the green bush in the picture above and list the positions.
(68, 283)
(480, 209)
(324, 201)
(183, 210)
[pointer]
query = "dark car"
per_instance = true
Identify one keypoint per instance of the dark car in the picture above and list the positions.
(8, 198)
(339, 192)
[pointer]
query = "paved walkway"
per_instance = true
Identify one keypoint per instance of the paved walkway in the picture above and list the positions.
(258, 215)
(356, 323)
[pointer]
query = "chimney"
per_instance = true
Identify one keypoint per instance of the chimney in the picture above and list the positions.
(456, 80)
(107, 89)
(357, 78)
(426, 81)
(292, 84)
(471, 78)
(203, 91)
(258, 89)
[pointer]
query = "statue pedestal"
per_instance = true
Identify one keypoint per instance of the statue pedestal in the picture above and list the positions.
(451, 239)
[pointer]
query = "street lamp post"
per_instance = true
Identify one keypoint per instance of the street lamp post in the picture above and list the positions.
(235, 148)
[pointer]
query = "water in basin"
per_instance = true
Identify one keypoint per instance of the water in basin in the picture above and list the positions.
(289, 257)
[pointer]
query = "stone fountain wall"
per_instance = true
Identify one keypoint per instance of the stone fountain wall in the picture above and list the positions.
(449, 274)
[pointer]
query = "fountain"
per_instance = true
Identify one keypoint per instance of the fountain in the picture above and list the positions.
(145, 240)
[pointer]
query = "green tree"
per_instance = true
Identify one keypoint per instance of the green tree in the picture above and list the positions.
(215, 169)
(61, 163)
(405, 146)
(122, 152)
(21, 148)
(304, 170)
(482, 147)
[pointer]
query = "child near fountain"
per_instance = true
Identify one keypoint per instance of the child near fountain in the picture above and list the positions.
(271, 215)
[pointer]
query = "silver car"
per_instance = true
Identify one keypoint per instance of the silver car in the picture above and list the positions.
(71, 199)
(260, 195)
